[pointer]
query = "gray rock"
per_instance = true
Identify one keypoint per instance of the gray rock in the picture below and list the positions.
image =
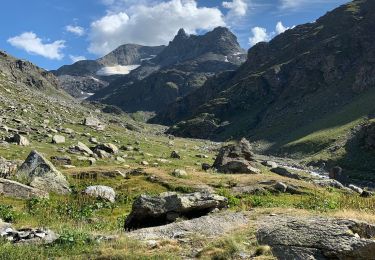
(329, 183)
(61, 160)
(7, 168)
(211, 226)
(28, 235)
(355, 188)
(101, 191)
(20, 140)
(102, 154)
(285, 172)
(82, 148)
(179, 173)
(41, 174)
(18, 190)
(236, 158)
(108, 147)
(91, 121)
(58, 139)
(270, 164)
(317, 238)
(155, 210)
(279, 186)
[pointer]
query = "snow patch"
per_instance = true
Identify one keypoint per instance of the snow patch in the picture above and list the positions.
(116, 70)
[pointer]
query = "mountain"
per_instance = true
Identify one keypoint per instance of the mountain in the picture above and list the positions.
(183, 66)
(305, 93)
(88, 76)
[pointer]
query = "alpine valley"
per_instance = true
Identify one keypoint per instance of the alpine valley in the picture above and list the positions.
(197, 149)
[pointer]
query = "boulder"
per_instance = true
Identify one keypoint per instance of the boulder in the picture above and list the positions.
(41, 174)
(100, 191)
(167, 207)
(281, 187)
(82, 148)
(270, 164)
(236, 158)
(355, 188)
(58, 139)
(329, 183)
(18, 190)
(102, 154)
(91, 121)
(317, 238)
(179, 173)
(108, 147)
(285, 172)
(20, 140)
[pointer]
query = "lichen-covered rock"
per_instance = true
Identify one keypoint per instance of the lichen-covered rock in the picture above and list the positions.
(7, 168)
(58, 139)
(236, 158)
(82, 148)
(40, 173)
(317, 238)
(167, 207)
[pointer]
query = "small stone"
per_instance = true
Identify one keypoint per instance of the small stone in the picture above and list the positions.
(179, 173)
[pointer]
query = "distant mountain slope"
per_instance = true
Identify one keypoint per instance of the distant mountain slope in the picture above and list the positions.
(183, 66)
(315, 78)
(88, 76)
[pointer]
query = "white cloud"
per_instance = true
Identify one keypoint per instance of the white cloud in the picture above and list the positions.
(30, 42)
(77, 58)
(280, 28)
(77, 30)
(260, 34)
(236, 7)
(151, 24)
(298, 4)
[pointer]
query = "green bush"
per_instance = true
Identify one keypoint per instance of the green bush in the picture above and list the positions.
(7, 214)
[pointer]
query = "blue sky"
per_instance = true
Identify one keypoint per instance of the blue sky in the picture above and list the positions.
(52, 33)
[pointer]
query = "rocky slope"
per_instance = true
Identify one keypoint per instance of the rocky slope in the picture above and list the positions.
(312, 78)
(183, 66)
(89, 76)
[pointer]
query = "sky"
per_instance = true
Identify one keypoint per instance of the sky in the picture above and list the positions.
(52, 33)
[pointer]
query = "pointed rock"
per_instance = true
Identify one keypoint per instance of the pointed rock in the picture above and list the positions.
(41, 174)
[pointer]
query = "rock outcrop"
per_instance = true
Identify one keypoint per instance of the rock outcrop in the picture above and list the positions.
(39, 173)
(150, 211)
(236, 158)
(317, 238)
(211, 226)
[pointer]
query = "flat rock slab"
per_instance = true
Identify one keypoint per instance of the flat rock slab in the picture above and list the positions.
(317, 238)
(212, 225)
(18, 190)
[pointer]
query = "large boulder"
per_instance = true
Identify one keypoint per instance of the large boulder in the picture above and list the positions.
(18, 190)
(317, 238)
(20, 140)
(236, 158)
(100, 191)
(91, 121)
(167, 207)
(38, 172)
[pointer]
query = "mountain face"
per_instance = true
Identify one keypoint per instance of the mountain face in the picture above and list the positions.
(301, 75)
(88, 76)
(183, 66)
(24, 72)
(306, 92)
